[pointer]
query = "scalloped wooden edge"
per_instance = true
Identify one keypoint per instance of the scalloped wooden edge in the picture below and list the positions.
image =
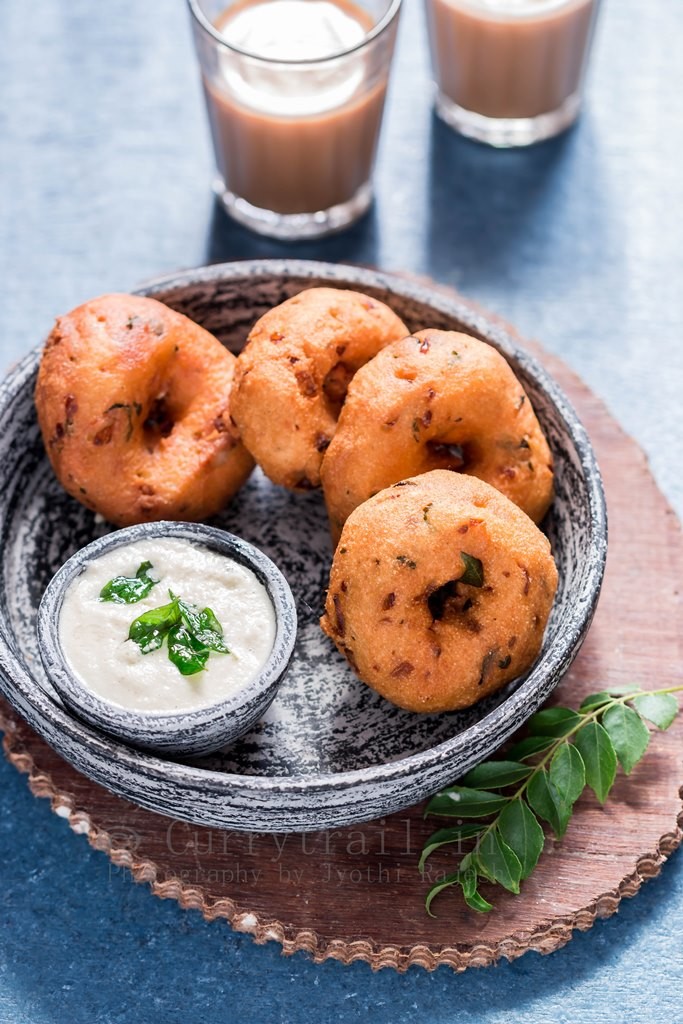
(543, 940)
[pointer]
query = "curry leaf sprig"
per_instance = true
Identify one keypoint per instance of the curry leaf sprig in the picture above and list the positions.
(129, 589)
(498, 804)
(191, 635)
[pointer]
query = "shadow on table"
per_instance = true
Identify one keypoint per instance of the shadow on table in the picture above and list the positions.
(80, 943)
(500, 212)
(227, 240)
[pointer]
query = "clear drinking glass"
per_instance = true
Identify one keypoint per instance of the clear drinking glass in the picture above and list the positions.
(294, 139)
(510, 72)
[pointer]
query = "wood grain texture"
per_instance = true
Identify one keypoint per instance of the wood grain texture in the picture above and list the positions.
(355, 893)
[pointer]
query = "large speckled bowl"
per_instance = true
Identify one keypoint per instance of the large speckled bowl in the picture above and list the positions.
(329, 751)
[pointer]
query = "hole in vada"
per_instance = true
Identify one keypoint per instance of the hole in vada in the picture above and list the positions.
(159, 422)
(452, 455)
(448, 601)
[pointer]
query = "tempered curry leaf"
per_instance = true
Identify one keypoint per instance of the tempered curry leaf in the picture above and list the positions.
(129, 589)
(192, 634)
(186, 653)
(189, 615)
(149, 629)
(210, 632)
(207, 620)
(473, 575)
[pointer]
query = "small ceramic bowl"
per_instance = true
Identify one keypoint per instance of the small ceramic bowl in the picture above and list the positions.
(193, 731)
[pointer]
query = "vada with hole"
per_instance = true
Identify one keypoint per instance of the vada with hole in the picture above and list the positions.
(440, 591)
(292, 377)
(133, 402)
(436, 400)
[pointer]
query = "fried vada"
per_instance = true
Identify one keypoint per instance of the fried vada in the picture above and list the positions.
(436, 400)
(293, 374)
(440, 591)
(133, 404)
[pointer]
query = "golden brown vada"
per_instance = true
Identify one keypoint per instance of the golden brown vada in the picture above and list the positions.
(133, 404)
(436, 400)
(293, 373)
(440, 591)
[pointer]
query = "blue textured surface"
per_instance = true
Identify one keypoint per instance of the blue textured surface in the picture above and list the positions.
(104, 169)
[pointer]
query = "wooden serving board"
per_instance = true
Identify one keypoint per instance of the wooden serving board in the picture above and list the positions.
(355, 893)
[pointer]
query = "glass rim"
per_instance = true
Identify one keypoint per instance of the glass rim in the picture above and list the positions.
(375, 32)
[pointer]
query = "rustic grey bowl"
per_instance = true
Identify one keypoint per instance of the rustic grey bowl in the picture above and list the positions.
(328, 751)
(186, 733)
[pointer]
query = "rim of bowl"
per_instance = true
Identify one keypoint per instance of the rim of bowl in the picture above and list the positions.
(155, 723)
(503, 718)
(374, 33)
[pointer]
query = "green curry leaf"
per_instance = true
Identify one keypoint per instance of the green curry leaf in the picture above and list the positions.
(187, 654)
(129, 589)
(191, 634)
(473, 575)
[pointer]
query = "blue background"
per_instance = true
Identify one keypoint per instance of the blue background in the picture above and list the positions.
(104, 175)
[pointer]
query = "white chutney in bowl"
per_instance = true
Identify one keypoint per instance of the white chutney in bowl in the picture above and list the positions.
(171, 636)
(94, 632)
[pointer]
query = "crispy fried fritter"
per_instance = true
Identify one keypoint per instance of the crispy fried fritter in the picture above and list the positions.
(293, 374)
(133, 404)
(440, 591)
(437, 400)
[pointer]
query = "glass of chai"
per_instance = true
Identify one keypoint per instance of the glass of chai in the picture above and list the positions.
(510, 72)
(295, 92)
